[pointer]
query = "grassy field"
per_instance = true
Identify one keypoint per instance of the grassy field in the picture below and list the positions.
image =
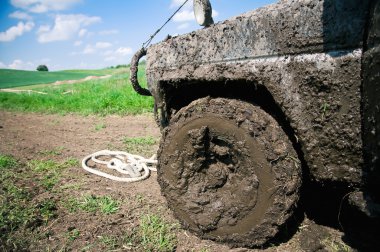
(10, 78)
(114, 95)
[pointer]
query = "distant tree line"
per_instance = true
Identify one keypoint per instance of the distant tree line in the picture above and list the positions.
(142, 62)
(119, 66)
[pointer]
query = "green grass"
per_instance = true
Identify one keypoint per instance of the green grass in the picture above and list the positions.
(70, 186)
(156, 234)
(53, 152)
(73, 234)
(100, 126)
(10, 78)
(335, 246)
(324, 110)
(133, 141)
(107, 96)
(7, 162)
(13, 210)
(47, 210)
(96, 72)
(139, 145)
(110, 242)
(51, 165)
(50, 170)
(108, 205)
(19, 214)
(91, 204)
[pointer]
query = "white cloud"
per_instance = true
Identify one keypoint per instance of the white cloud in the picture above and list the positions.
(15, 31)
(110, 58)
(109, 32)
(100, 48)
(183, 16)
(21, 65)
(20, 15)
(82, 32)
(103, 45)
(123, 51)
(28, 65)
(85, 65)
(89, 49)
(40, 6)
(16, 64)
(183, 26)
(117, 56)
(65, 27)
(108, 53)
(177, 3)
(187, 13)
(43, 28)
(78, 43)
(214, 13)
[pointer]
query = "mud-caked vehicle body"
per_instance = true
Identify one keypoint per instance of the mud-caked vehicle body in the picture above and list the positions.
(253, 107)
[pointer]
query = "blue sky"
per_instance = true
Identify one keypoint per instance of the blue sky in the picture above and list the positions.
(85, 34)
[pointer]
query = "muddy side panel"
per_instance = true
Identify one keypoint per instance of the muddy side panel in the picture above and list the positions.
(287, 28)
(307, 54)
(371, 101)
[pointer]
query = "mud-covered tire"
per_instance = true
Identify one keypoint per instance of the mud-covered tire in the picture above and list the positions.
(228, 171)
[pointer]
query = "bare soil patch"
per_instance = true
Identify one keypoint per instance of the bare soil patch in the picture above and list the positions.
(30, 137)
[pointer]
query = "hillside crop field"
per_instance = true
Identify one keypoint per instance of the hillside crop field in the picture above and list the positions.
(10, 78)
(113, 95)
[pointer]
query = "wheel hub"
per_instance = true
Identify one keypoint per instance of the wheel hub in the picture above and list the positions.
(218, 193)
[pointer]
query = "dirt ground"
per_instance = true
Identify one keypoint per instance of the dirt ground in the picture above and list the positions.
(27, 136)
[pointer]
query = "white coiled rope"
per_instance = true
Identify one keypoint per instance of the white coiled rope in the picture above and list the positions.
(136, 167)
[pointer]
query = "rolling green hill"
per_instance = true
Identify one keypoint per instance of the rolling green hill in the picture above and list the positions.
(113, 95)
(16, 78)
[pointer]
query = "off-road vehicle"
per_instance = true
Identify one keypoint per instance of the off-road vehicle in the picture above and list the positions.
(252, 107)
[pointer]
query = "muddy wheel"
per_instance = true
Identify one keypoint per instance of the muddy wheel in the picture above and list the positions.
(228, 171)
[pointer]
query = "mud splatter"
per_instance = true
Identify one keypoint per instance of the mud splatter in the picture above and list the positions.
(225, 171)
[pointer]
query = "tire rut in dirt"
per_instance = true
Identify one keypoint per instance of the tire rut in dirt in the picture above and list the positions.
(228, 171)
